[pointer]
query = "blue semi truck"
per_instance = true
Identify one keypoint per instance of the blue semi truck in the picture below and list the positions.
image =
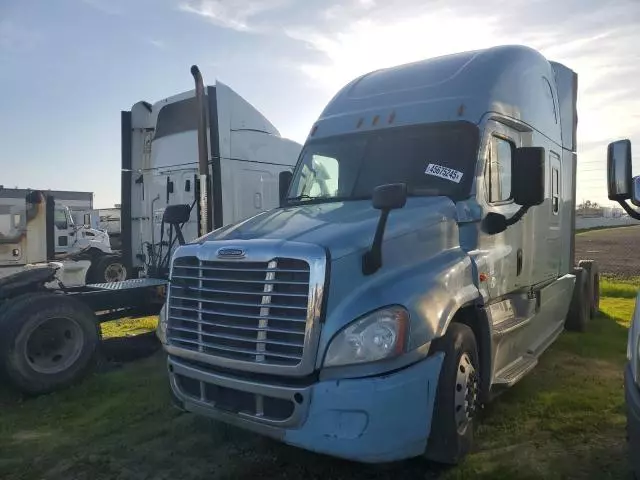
(420, 262)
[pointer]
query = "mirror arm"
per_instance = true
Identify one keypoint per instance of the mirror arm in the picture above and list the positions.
(517, 216)
(372, 260)
(630, 211)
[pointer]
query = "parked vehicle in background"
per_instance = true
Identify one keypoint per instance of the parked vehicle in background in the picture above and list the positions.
(50, 305)
(109, 221)
(421, 261)
(81, 242)
(234, 177)
(622, 187)
(49, 313)
(103, 219)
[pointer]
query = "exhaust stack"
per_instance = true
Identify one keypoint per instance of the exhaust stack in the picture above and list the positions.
(203, 152)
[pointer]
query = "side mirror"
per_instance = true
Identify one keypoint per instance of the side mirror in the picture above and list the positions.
(619, 182)
(494, 223)
(635, 193)
(284, 181)
(385, 198)
(527, 177)
(390, 197)
(176, 214)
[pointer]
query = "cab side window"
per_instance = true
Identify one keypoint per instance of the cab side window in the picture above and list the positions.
(60, 219)
(498, 170)
(321, 180)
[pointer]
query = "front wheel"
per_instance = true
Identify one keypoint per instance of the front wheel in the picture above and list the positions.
(457, 395)
(108, 269)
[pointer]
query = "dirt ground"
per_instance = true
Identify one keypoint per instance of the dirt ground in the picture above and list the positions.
(616, 250)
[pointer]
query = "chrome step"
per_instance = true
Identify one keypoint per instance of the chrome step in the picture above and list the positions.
(513, 372)
(509, 326)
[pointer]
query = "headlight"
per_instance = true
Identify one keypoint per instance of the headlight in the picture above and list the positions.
(161, 329)
(377, 336)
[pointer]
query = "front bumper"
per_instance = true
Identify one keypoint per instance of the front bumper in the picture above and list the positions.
(373, 420)
(632, 399)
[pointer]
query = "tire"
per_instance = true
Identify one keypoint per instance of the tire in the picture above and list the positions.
(48, 342)
(593, 275)
(451, 438)
(580, 308)
(109, 268)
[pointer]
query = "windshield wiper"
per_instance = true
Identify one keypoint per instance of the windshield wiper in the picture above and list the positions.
(327, 198)
(304, 196)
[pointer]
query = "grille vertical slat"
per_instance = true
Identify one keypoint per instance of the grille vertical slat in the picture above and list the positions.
(248, 311)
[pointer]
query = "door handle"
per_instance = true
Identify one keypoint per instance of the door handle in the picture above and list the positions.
(519, 262)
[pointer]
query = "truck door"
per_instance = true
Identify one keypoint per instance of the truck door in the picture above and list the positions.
(504, 258)
(555, 214)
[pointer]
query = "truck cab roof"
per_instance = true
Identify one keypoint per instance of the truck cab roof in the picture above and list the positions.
(514, 81)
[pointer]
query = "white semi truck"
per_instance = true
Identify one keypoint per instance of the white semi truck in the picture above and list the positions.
(228, 173)
(83, 242)
(172, 191)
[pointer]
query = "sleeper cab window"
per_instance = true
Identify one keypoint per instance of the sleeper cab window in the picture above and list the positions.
(498, 171)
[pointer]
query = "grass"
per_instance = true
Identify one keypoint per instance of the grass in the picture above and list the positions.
(580, 231)
(564, 420)
(619, 288)
(127, 326)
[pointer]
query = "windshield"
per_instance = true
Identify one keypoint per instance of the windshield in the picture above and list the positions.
(432, 160)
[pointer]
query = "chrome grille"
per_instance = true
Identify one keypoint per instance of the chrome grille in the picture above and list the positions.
(249, 311)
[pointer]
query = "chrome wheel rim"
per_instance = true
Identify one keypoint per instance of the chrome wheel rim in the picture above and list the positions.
(115, 272)
(466, 393)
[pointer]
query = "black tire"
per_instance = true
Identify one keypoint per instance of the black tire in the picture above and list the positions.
(580, 308)
(48, 342)
(593, 275)
(450, 440)
(109, 268)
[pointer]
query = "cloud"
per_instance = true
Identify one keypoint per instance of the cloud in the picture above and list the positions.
(337, 40)
(240, 15)
(597, 40)
(15, 37)
(156, 43)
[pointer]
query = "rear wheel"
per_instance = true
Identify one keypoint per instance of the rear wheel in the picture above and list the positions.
(580, 308)
(108, 269)
(457, 395)
(48, 341)
(593, 276)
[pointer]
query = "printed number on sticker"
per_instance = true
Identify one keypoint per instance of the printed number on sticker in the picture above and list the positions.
(443, 172)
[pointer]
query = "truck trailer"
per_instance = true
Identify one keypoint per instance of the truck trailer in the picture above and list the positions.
(420, 262)
(172, 191)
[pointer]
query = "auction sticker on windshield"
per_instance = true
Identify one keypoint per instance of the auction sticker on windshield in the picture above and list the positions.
(443, 172)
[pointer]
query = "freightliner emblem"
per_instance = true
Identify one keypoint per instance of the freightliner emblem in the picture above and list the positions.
(231, 253)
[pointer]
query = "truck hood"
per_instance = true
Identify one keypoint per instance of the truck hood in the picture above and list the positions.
(341, 227)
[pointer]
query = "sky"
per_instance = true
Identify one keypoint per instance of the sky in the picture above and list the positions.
(68, 67)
